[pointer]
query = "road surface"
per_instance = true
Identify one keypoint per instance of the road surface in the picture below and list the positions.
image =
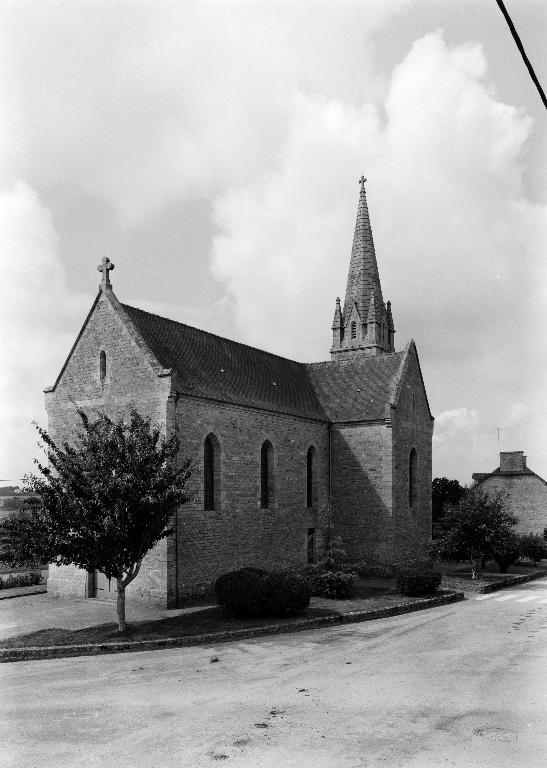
(462, 685)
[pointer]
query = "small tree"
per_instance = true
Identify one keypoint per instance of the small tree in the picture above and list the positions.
(103, 501)
(444, 492)
(507, 551)
(533, 547)
(476, 526)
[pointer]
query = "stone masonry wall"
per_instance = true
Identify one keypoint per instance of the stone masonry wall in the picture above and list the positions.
(526, 498)
(412, 428)
(130, 383)
(361, 489)
(240, 533)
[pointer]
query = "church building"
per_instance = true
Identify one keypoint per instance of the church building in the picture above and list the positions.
(285, 454)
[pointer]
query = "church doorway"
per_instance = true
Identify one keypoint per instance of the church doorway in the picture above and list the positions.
(103, 587)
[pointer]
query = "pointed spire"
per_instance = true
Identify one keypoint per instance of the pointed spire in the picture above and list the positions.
(363, 277)
(363, 299)
(337, 321)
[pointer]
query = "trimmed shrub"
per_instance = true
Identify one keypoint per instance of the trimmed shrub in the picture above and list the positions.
(252, 593)
(20, 580)
(226, 584)
(415, 581)
(533, 547)
(335, 585)
(507, 552)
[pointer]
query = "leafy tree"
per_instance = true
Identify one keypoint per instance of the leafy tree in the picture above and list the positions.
(103, 501)
(444, 492)
(533, 547)
(477, 526)
(507, 551)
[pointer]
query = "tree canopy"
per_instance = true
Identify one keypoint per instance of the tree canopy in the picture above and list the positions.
(444, 492)
(478, 526)
(103, 500)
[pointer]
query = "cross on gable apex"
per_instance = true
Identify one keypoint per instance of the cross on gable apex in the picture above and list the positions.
(105, 266)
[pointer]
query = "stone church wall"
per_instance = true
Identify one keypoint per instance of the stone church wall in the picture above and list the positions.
(240, 533)
(361, 489)
(526, 498)
(130, 382)
(412, 429)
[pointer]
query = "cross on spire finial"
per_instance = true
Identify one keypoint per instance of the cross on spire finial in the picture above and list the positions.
(362, 183)
(105, 267)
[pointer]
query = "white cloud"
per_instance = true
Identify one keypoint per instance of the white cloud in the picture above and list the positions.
(458, 418)
(138, 106)
(444, 177)
(37, 320)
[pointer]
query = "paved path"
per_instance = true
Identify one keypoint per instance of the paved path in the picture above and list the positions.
(462, 685)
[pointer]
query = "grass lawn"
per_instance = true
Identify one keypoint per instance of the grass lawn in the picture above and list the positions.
(491, 570)
(369, 594)
(197, 622)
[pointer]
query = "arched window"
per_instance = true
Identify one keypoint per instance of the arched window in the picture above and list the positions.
(354, 330)
(311, 477)
(211, 473)
(266, 475)
(413, 478)
(102, 365)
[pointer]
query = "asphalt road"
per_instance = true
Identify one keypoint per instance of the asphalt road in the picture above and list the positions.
(462, 685)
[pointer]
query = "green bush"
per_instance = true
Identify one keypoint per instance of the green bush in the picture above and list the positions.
(252, 593)
(20, 580)
(335, 585)
(507, 552)
(533, 547)
(228, 582)
(415, 581)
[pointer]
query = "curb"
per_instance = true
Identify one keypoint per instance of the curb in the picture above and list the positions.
(23, 594)
(298, 625)
(510, 581)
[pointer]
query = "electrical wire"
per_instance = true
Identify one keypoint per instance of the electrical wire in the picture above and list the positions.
(520, 46)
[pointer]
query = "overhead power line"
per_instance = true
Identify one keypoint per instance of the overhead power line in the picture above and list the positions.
(520, 46)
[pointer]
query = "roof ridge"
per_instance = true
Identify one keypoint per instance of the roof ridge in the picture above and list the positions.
(360, 359)
(215, 335)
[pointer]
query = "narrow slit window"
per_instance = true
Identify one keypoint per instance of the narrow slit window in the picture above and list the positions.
(102, 365)
(311, 477)
(266, 475)
(354, 330)
(211, 474)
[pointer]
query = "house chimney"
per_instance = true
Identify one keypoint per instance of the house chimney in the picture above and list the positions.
(512, 461)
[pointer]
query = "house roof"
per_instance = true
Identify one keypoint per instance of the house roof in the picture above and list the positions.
(216, 368)
(358, 388)
(480, 477)
(212, 367)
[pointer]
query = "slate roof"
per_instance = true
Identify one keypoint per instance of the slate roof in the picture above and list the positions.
(220, 369)
(216, 368)
(481, 476)
(356, 388)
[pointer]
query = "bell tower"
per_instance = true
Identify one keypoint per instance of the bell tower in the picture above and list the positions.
(364, 326)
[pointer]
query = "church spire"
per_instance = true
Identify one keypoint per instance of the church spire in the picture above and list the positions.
(364, 319)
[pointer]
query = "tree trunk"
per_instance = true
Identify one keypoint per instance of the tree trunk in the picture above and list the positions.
(475, 567)
(122, 625)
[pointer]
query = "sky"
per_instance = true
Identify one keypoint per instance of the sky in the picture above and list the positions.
(212, 151)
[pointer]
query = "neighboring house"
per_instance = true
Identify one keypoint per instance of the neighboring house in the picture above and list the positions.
(282, 449)
(526, 492)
